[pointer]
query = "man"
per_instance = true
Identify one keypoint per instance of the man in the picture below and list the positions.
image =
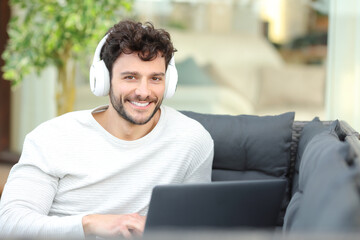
(92, 172)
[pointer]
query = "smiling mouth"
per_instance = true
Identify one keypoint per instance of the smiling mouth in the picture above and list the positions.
(138, 104)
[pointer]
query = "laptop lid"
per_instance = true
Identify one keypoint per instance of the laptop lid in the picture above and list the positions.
(230, 204)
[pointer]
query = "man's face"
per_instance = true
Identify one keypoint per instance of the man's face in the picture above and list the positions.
(137, 87)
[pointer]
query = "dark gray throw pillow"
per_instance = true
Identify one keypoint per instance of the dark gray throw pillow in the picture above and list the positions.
(321, 154)
(247, 142)
(309, 131)
(320, 149)
(324, 176)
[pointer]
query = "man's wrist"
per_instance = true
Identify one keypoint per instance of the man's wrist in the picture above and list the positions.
(86, 223)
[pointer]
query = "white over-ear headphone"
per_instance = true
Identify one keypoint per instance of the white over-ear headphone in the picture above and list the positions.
(100, 77)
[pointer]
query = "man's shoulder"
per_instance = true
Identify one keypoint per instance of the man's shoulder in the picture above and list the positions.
(61, 124)
(176, 117)
(184, 125)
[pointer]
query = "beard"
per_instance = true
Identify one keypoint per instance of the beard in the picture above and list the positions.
(118, 105)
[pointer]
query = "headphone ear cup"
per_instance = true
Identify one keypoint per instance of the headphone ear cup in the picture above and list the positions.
(99, 79)
(171, 79)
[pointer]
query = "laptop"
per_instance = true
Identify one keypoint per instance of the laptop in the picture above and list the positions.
(218, 205)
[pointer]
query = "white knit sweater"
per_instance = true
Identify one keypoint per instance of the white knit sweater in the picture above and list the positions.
(71, 166)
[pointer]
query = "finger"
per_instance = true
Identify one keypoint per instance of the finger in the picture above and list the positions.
(137, 222)
(141, 224)
(143, 218)
(137, 232)
(135, 226)
(138, 215)
(125, 232)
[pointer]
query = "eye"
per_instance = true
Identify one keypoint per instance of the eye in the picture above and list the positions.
(156, 79)
(129, 77)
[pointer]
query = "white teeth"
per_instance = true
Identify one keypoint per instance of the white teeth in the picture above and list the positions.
(140, 104)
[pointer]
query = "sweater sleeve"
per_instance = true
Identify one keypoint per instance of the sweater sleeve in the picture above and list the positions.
(27, 198)
(201, 166)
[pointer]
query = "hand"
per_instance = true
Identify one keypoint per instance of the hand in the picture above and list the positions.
(114, 225)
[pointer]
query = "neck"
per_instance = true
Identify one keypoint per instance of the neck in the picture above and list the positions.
(123, 129)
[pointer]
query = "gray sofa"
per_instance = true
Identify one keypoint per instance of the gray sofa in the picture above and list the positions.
(319, 160)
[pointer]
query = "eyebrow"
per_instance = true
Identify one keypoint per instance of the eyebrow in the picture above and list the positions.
(158, 74)
(129, 73)
(137, 73)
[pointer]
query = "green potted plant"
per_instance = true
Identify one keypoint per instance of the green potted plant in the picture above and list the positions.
(57, 32)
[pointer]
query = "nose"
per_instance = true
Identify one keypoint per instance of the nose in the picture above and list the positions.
(142, 91)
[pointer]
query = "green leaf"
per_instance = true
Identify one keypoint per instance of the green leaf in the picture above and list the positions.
(43, 30)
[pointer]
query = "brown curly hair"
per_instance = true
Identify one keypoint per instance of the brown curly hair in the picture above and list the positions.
(129, 36)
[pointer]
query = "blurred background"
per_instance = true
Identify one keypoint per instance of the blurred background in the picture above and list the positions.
(256, 57)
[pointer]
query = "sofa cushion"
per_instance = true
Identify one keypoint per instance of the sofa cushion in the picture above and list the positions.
(309, 131)
(310, 150)
(331, 198)
(247, 142)
(250, 147)
(291, 210)
(231, 175)
(339, 209)
(321, 148)
(323, 167)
